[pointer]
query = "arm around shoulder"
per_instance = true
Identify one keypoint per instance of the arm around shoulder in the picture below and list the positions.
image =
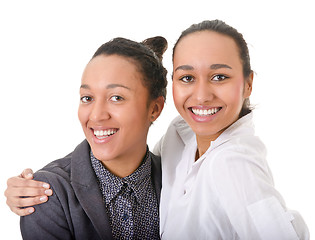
(49, 220)
(23, 192)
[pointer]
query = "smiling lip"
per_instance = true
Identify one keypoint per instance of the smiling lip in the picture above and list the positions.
(103, 135)
(204, 113)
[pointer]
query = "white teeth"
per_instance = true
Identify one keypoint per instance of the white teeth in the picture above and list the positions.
(205, 112)
(104, 133)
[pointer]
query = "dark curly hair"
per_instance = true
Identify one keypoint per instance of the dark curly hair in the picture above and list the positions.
(147, 56)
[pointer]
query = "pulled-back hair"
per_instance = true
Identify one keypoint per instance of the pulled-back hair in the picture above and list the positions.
(147, 56)
(221, 27)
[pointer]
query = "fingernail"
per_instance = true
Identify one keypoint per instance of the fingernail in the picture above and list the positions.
(48, 192)
(29, 175)
(31, 210)
(43, 199)
(45, 185)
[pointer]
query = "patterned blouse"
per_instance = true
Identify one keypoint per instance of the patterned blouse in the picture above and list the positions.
(131, 202)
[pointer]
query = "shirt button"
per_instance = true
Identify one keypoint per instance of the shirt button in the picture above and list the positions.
(184, 192)
(125, 217)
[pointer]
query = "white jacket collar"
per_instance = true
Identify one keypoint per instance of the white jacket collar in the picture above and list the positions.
(243, 126)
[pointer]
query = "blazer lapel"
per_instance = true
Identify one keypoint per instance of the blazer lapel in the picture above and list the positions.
(85, 185)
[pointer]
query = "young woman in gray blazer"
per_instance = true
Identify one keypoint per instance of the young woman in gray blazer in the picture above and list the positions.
(109, 186)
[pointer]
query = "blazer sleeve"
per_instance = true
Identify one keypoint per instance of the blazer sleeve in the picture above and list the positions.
(49, 220)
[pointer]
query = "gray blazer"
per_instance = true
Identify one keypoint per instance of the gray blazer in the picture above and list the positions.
(76, 209)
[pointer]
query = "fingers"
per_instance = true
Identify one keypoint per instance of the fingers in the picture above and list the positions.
(17, 202)
(23, 192)
(26, 192)
(23, 211)
(19, 182)
(20, 205)
(27, 173)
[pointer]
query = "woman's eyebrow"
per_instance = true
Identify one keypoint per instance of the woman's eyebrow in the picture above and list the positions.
(219, 65)
(184, 67)
(115, 85)
(213, 66)
(85, 86)
(109, 86)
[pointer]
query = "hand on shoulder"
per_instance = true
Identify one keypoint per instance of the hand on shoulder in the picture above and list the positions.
(23, 193)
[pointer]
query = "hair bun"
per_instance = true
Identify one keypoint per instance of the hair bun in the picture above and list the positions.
(157, 44)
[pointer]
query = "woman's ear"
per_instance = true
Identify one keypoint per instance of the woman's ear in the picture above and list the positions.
(156, 108)
(248, 85)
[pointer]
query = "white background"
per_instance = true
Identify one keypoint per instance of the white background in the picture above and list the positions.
(44, 46)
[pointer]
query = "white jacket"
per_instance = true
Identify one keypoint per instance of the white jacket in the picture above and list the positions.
(228, 193)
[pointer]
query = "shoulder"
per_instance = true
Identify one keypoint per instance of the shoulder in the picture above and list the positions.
(61, 167)
(239, 165)
(239, 152)
(248, 146)
(59, 170)
(239, 155)
(239, 143)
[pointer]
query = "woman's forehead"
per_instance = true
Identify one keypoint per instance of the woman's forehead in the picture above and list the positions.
(112, 69)
(207, 47)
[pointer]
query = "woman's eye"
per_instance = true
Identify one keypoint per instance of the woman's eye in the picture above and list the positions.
(219, 77)
(116, 98)
(85, 99)
(187, 79)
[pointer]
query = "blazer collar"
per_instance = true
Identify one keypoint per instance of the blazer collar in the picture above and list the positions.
(86, 188)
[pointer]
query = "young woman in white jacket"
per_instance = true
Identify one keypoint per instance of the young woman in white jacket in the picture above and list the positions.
(216, 183)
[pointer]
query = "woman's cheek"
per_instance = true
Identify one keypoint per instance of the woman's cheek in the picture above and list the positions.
(179, 96)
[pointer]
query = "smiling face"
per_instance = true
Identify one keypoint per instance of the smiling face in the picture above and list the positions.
(208, 83)
(114, 111)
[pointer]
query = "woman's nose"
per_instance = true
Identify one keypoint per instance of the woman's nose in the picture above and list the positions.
(203, 91)
(99, 112)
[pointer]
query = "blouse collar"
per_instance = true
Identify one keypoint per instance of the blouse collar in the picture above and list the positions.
(243, 126)
(111, 185)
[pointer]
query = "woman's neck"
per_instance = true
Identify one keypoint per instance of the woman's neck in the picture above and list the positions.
(125, 165)
(203, 143)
